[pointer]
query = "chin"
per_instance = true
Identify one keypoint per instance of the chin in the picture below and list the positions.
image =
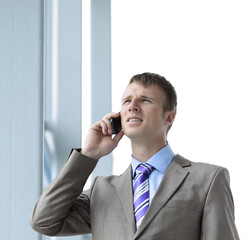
(133, 134)
(130, 133)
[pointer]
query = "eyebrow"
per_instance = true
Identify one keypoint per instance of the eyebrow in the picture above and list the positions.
(141, 96)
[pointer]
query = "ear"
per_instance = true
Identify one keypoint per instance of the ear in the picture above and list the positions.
(169, 117)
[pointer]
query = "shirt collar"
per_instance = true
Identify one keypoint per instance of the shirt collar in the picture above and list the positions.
(159, 160)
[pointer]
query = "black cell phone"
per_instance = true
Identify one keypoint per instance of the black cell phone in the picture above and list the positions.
(116, 125)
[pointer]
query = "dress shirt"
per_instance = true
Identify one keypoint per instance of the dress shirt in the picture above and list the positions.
(160, 161)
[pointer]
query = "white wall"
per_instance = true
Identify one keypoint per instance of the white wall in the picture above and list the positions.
(25, 39)
(62, 77)
(202, 48)
(21, 118)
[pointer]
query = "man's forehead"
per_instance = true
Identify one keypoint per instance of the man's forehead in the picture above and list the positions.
(137, 89)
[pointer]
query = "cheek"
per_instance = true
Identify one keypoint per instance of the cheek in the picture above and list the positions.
(157, 119)
(123, 117)
(122, 114)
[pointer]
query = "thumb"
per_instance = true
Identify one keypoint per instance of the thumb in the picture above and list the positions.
(118, 137)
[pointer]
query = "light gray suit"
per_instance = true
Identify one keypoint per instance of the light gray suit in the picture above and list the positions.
(193, 202)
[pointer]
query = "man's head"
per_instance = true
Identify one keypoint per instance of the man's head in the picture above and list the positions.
(147, 79)
(148, 107)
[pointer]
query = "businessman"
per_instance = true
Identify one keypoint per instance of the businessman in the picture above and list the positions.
(161, 195)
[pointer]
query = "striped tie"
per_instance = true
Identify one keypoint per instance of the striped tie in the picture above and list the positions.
(141, 191)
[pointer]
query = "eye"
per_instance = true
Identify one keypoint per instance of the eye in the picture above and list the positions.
(126, 101)
(146, 100)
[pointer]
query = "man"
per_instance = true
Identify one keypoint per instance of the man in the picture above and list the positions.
(160, 196)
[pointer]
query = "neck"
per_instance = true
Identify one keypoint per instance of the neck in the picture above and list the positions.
(143, 152)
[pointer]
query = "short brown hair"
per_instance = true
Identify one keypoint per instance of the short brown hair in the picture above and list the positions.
(146, 79)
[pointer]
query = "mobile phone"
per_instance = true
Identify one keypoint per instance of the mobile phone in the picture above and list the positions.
(116, 125)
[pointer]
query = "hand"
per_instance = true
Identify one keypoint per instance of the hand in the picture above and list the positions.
(99, 141)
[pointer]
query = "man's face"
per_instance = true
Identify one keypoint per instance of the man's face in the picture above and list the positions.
(142, 113)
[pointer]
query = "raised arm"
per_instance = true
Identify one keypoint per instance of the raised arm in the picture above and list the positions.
(63, 209)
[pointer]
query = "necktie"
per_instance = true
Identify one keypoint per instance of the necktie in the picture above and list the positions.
(141, 191)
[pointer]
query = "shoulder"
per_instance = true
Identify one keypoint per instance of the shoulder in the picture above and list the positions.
(114, 179)
(201, 170)
(184, 162)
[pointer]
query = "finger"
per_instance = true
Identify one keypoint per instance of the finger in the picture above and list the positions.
(112, 115)
(107, 118)
(104, 126)
(108, 125)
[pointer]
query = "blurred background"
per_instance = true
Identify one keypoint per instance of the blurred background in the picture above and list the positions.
(66, 63)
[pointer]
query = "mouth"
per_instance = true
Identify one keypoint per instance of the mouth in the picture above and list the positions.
(134, 119)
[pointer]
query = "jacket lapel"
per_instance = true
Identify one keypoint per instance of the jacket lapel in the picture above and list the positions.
(125, 192)
(173, 178)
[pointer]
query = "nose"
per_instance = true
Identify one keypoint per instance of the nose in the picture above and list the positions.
(134, 106)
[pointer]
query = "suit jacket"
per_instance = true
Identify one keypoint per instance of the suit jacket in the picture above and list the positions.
(193, 202)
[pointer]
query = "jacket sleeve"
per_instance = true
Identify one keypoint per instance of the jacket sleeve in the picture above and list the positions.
(218, 217)
(63, 209)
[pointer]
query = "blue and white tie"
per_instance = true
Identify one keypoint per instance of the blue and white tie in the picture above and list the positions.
(141, 191)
